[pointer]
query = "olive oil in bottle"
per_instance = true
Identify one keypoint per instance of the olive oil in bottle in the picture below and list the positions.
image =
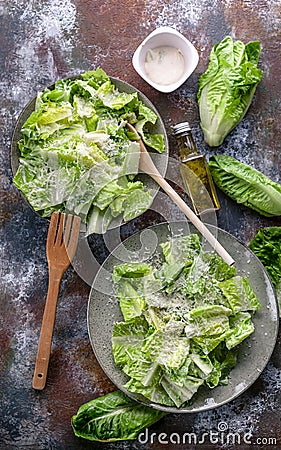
(195, 172)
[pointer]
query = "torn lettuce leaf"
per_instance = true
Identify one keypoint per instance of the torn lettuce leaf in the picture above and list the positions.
(136, 203)
(76, 152)
(181, 250)
(154, 392)
(174, 353)
(131, 270)
(183, 321)
(241, 326)
(239, 294)
(210, 320)
(131, 302)
(127, 339)
(180, 394)
(178, 253)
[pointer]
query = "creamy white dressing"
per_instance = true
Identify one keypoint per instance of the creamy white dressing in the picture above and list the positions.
(164, 65)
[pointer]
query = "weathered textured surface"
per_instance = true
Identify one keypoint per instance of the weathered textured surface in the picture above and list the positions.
(49, 39)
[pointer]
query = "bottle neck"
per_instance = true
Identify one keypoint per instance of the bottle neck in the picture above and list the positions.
(186, 144)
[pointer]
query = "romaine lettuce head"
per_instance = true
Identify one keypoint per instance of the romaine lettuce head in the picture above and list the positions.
(227, 87)
(113, 417)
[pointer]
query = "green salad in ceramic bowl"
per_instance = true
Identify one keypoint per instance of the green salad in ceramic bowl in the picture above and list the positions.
(72, 152)
(174, 326)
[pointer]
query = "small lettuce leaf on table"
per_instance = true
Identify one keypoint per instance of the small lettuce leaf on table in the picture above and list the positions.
(246, 185)
(227, 87)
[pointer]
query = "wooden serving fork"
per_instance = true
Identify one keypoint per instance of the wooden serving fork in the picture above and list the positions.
(60, 248)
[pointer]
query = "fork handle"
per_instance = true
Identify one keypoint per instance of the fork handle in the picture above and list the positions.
(46, 334)
(193, 218)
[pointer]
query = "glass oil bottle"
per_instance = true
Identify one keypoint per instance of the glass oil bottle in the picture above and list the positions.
(195, 172)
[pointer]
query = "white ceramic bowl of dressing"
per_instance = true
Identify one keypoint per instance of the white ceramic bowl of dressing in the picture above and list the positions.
(165, 59)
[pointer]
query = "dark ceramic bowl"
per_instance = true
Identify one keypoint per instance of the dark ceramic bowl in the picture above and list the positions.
(161, 161)
(254, 352)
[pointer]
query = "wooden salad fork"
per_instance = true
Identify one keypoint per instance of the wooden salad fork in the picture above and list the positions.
(60, 248)
(147, 166)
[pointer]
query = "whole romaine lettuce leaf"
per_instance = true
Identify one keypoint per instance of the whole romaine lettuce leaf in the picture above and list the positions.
(227, 87)
(246, 185)
(113, 417)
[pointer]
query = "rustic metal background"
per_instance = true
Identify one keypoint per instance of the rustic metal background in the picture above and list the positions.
(42, 41)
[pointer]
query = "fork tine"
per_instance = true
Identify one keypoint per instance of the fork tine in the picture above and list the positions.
(59, 237)
(52, 232)
(67, 230)
(73, 239)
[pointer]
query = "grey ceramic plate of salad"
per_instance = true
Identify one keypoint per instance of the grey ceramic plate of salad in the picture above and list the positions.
(174, 327)
(72, 152)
